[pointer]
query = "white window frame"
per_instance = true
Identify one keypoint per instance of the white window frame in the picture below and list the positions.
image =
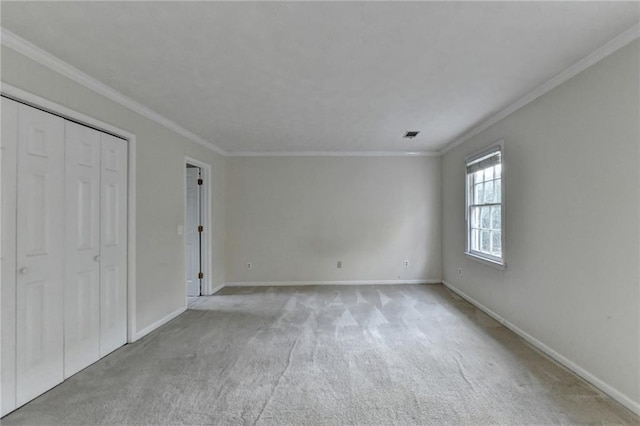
(495, 261)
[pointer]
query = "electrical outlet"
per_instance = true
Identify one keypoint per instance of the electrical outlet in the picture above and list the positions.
(406, 263)
(339, 264)
(460, 271)
(249, 265)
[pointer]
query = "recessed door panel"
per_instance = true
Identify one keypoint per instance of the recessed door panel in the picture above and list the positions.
(35, 316)
(37, 142)
(87, 220)
(82, 247)
(110, 296)
(8, 147)
(37, 221)
(82, 306)
(110, 214)
(113, 249)
(40, 248)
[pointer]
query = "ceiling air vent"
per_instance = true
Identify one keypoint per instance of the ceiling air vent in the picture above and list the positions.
(412, 134)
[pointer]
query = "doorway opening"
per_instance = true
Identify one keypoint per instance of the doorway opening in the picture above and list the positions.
(197, 230)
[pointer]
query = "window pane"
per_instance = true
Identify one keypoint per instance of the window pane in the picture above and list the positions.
(484, 241)
(496, 218)
(488, 173)
(488, 192)
(498, 171)
(475, 217)
(485, 221)
(478, 196)
(497, 243)
(474, 239)
(484, 217)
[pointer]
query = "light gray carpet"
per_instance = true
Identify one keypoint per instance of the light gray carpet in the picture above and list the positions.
(369, 355)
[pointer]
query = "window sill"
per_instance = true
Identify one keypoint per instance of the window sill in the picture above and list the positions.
(489, 262)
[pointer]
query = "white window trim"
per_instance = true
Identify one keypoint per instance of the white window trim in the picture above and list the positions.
(486, 261)
(475, 255)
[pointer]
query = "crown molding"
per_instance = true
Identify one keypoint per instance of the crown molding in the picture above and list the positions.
(56, 64)
(335, 154)
(46, 59)
(600, 53)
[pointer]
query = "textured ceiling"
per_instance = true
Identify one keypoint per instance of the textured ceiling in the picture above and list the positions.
(321, 76)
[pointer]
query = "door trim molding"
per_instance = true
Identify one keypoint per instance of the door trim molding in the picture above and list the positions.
(206, 288)
(36, 101)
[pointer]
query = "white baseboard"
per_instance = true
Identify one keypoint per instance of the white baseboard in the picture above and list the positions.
(140, 334)
(598, 383)
(216, 289)
(304, 283)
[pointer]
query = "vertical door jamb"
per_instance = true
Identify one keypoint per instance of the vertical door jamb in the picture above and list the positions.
(206, 285)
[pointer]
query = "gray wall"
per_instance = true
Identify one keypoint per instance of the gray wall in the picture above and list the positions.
(572, 221)
(160, 186)
(295, 217)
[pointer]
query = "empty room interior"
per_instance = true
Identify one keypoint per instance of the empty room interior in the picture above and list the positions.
(320, 213)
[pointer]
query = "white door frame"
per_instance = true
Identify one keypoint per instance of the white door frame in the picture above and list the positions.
(206, 286)
(64, 112)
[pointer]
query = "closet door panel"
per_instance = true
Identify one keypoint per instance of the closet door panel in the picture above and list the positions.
(40, 248)
(8, 146)
(113, 244)
(82, 255)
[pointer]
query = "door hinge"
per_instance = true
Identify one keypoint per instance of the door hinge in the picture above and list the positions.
(200, 275)
(199, 181)
(200, 228)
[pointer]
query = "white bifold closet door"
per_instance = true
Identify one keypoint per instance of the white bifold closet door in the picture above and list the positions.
(40, 253)
(96, 256)
(113, 244)
(8, 148)
(64, 250)
(82, 283)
